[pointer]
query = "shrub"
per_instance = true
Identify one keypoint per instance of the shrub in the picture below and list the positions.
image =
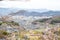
(0, 24)
(5, 33)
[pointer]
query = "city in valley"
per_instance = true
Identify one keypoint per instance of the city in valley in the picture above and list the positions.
(30, 25)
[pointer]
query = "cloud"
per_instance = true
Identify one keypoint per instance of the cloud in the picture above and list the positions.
(33, 4)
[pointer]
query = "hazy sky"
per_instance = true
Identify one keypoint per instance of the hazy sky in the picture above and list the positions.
(32, 4)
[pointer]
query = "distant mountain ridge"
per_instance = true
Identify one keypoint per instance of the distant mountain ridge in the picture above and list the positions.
(35, 13)
(6, 11)
(28, 12)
